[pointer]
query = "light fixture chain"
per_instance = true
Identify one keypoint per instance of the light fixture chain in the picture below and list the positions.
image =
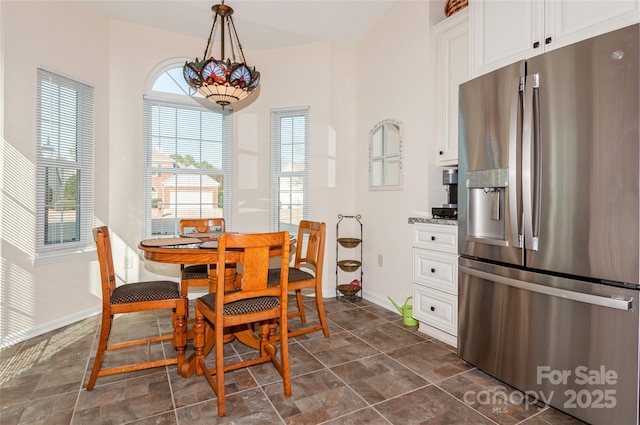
(206, 49)
(233, 25)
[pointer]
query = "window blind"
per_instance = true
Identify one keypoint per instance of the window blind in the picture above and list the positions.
(188, 165)
(289, 168)
(64, 165)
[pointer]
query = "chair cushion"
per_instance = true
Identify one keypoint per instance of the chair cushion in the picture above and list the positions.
(145, 291)
(250, 305)
(295, 275)
(199, 271)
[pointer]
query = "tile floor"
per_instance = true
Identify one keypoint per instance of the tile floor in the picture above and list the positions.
(372, 370)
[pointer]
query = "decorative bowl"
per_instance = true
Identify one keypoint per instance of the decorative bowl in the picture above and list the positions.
(349, 242)
(346, 291)
(349, 265)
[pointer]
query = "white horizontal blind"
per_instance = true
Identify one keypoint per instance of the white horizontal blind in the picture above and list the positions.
(64, 165)
(289, 168)
(188, 166)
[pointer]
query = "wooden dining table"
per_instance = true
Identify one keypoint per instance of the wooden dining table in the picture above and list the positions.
(201, 248)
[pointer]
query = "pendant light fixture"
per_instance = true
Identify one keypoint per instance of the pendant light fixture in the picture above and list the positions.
(227, 79)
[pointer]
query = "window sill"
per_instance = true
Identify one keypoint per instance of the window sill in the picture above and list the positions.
(58, 257)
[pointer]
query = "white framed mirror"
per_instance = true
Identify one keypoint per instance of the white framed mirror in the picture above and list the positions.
(385, 155)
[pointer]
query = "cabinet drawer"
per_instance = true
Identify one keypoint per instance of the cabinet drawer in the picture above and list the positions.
(438, 237)
(437, 270)
(436, 308)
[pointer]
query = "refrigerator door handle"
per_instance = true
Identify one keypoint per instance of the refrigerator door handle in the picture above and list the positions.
(529, 171)
(514, 209)
(616, 303)
(537, 164)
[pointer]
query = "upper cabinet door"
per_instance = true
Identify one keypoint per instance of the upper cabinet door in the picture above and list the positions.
(453, 69)
(503, 32)
(568, 22)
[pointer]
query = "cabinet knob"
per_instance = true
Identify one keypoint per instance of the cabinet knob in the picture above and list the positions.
(547, 40)
(536, 44)
(433, 270)
(441, 153)
(433, 238)
(433, 308)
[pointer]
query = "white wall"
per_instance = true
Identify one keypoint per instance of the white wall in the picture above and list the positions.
(347, 90)
(38, 299)
(397, 80)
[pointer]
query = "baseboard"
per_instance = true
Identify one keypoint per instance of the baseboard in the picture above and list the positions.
(17, 337)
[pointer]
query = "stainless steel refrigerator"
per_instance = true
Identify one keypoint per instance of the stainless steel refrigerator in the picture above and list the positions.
(548, 217)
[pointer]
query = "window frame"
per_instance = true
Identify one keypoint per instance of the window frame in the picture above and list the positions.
(277, 173)
(73, 132)
(183, 102)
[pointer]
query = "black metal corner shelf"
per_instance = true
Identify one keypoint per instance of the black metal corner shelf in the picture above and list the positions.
(349, 260)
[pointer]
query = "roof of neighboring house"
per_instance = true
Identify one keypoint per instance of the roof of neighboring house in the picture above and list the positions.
(293, 166)
(190, 180)
(163, 160)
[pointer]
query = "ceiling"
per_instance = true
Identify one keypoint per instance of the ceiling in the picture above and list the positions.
(261, 24)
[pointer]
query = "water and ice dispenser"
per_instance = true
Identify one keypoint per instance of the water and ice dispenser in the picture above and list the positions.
(486, 203)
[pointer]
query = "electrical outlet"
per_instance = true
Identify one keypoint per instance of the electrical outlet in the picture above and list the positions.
(128, 262)
(379, 260)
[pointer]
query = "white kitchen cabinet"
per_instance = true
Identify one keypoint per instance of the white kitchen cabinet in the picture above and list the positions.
(435, 279)
(503, 32)
(453, 69)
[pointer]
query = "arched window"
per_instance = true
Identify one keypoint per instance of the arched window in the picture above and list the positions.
(187, 144)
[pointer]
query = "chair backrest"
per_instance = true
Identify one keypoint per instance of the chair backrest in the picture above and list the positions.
(253, 252)
(201, 225)
(310, 245)
(105, 258)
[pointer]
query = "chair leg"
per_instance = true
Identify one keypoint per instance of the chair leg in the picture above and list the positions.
(320, 308)
(284, 367)
(217, 383)
(105, 330)
(219, 331)
(303, 317)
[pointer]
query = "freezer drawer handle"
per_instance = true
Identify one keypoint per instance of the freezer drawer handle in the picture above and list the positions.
(619, 304)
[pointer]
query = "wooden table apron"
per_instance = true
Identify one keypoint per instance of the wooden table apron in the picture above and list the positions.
(176, 254)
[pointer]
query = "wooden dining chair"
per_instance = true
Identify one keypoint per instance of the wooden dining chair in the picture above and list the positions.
(197, 275)
(254, 303)
(307, 273)
(133, 298)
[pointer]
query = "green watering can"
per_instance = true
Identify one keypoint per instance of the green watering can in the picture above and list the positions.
(407, 312)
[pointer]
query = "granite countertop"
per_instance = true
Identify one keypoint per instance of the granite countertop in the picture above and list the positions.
(414, 220)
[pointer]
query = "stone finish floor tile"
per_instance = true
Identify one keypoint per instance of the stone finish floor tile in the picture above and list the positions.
(378, 378)
(431, 360)
(338, 348)
(387, 336)
(371, 370)
(428, 405)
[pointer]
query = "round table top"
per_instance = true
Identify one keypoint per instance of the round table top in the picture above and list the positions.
(181, 250)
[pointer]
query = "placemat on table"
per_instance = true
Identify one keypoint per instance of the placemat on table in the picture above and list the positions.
(170, 241)
(211, 236)
(209, 244)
